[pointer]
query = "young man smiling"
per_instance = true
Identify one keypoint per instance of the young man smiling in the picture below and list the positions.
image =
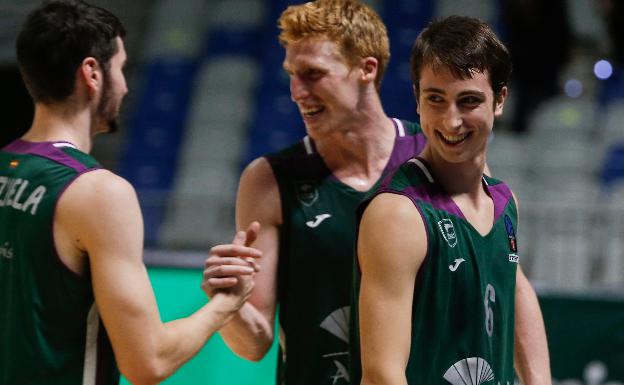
(306, 195)
(442, 296)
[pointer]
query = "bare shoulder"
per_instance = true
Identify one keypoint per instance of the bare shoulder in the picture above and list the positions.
(392, 225)
(99, 186)
(258, 194)
(96, 200)
(259, 174)
(515, 198)
(391, 207)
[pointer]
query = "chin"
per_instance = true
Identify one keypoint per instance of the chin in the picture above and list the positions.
(112, 126)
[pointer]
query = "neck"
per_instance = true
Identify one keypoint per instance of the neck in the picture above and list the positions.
(358, 153)
(364, 140)
(359, 148)
(457, 178)
(58, 122)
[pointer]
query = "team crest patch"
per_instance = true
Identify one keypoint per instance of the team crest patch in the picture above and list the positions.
(448, 231)
(14, 163)
(307, 193)
(511, 234)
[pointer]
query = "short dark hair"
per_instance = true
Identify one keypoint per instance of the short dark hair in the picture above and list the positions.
(56, 37)
(464, 45)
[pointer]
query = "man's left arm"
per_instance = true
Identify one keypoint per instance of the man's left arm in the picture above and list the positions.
(531, 358)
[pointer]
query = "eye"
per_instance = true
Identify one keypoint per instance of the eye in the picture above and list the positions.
(470, 101)
(313, 73)
(434, 98)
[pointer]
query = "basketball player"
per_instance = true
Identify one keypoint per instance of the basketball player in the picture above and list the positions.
(441, 289)
(71, 233)
(306, 195)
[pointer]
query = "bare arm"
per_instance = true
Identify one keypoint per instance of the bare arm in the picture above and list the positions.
(250, 332)
(531, 358)
(391, 248)
(531, 347)
(100, 213)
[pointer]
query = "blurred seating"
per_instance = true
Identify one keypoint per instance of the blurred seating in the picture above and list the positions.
(153, 141)
(200, 211)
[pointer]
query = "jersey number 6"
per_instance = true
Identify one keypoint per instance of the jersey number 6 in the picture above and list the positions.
(490, 295)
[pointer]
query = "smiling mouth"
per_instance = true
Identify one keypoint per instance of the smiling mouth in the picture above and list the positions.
(310, 112)
(453, 139)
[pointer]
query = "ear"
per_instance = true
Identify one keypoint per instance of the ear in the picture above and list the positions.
(416, 94)
(90, 74)
(500, 102)
(369, 66)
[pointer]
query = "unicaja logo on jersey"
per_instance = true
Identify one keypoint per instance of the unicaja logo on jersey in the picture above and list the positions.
(469, 371)
(337, 323)
(448, 231)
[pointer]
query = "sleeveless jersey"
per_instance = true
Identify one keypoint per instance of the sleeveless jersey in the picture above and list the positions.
(464, 295)
(49, 325)
(316, 259)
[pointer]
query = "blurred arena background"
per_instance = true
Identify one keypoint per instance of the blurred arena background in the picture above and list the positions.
(208, 94)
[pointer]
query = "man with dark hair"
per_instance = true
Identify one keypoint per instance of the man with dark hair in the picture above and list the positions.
(442, 296)
(71, 233)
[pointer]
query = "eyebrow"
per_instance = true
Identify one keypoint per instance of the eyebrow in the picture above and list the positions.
(433, 89)
(463, 93)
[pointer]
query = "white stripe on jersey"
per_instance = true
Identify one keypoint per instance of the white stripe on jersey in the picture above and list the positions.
(422, 166)
(63, 144)
(399, 126)
(89, 370)
(308, 145)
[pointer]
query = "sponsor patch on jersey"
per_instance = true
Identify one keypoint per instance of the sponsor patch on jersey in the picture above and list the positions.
(448, 231)
(473, 371)
(14, 163)
(307, 193)
(513, 258)
(511, 234)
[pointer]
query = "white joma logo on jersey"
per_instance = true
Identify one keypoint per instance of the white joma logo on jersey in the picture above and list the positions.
(319, 219)
(458, 262)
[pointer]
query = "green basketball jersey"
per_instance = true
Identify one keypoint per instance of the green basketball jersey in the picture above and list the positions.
(464, 296)
(49, 326)
(316, 257)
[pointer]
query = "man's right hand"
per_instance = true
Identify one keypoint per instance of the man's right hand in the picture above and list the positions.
(229, 269)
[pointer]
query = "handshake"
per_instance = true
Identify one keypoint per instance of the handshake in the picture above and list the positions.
(229, 269)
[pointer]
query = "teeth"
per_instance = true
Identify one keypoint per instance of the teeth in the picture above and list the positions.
(454, 138)
(311, 111)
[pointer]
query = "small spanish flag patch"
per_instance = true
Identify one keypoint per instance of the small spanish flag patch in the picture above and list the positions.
(14, 163)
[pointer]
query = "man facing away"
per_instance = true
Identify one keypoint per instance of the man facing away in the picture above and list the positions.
(71, 233)
(306, 195)
(442, 295)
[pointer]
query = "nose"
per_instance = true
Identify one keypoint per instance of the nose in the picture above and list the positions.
(298, 89)
(452, 119)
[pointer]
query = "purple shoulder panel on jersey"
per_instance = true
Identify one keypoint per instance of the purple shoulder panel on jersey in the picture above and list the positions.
(439, 201)
(45, 150)
(501, 195)
(405, 148)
